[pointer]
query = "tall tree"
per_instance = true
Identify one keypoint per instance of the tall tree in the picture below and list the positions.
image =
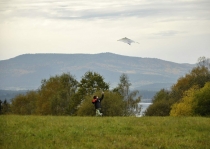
(57, 95)
(130, 97)
(124, 86)
(90, 83)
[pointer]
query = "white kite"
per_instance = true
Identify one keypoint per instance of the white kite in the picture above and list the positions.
(127, 40)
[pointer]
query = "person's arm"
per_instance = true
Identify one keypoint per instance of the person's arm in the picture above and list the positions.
(102, 96)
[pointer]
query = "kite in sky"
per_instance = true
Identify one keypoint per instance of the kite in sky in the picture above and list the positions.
(127, 40)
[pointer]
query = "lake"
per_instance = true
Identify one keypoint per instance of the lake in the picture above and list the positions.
(144, 105)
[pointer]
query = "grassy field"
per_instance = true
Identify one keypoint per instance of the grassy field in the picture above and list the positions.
(60, 132)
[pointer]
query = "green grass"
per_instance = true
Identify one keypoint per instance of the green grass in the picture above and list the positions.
(60, 132)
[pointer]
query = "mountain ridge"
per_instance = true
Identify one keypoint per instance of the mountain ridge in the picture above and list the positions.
(26, 71)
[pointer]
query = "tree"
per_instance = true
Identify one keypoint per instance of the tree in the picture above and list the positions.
(161, 105)
(198, 76)
(160, 108)
(57, 95)
(129, 97)
(113, 105)
(19, 105)
(31, 97)
(5, 107)
(203, 62)
(196, 101)
(123, 86)
(91, 82)
(25, 104)
(48, 90)
(202, 98)
(186, 106)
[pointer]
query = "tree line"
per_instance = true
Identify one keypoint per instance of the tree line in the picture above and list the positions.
(64, 95)
(190, 96)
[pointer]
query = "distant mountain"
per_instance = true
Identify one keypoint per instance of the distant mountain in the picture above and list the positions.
(26, 71)
(9, 94)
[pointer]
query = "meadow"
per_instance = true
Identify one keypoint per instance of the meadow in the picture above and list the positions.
(65, 132)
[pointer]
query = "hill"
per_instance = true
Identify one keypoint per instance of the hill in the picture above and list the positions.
(26, 71)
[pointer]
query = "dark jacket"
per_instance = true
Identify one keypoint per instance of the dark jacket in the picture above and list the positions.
(97, 102)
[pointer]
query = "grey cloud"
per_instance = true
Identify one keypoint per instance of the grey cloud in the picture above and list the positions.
(112, 9)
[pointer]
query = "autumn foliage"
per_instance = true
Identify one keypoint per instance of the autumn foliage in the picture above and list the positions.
(190, 96)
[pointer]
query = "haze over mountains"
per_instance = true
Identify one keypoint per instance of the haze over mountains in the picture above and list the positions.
(26, 71)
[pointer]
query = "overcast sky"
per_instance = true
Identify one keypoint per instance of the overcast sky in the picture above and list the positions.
(172, 30)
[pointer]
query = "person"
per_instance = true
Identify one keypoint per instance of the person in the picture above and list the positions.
(97, 102)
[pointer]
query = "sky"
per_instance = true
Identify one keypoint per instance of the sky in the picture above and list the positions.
(171, 30)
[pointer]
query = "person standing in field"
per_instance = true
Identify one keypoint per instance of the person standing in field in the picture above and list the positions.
(97, 102)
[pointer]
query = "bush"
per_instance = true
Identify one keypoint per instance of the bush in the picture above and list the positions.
(161, 105)
(187, 104)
